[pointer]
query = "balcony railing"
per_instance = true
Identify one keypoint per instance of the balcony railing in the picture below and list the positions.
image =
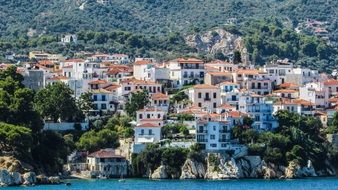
(207, 99)
(202, 140)
(202, 131)
(224, 131)
(223, 140)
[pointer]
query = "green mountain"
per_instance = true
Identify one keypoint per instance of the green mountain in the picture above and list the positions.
(151, 16)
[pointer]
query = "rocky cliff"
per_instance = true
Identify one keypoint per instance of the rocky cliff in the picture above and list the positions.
(219, 166)
(217, 40)
(13, 172)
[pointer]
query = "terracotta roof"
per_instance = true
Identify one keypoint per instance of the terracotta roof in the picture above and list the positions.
(148, 125)
(333, 100)
(248, 71)
(150, 109)
(74, 60)
(105, 153)
(285, 91)
(99, 81)
(235, 114)
(143, 62)
(204, 86)
(189, 60)
(45, 62)
(226, 106)
(331, 82)
(298, 102)
(159, 96)
(218, 62)
(287, 85)
(112, 87)
(139, 82)
(58, 78)
(219, 73)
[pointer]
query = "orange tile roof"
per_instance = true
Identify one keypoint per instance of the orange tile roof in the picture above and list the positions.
(58, 78)
(159, 96)
(112, 87)
(285, 91)
(45, 62)
(143, 62)
(248, 71)
(227, 83)
(74, 60)
(99, 81)
(138, 82)
(331, 82)
(148, 125)
(235, 114)
(287, 85)
(219, 73)
(204, 86)
(298, 102)
(226, 106)
(189, 60)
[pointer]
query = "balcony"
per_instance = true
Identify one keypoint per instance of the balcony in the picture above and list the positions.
(202, 131)
(224, 131)
(202, 140)
(223, 140)
(207, 99)
(146, 135)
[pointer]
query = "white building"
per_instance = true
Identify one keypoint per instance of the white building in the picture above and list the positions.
(315, 93)
(69, 38)
(186, 71)
(205, 96)
(258, 108)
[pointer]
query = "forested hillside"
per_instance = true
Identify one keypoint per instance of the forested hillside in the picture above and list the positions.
(151, 16)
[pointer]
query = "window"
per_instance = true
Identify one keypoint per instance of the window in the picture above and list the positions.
(214, 128)
(213, 145)
(200, 104)
(199, 95)
(140, 116)
(104, 106)
(103, 97)
(95, 97)
(257, 118)
(142, 131)
(148, 116)
(150, 131)
(212, 137)
(158, 115)
(215, 95)
(215, 105)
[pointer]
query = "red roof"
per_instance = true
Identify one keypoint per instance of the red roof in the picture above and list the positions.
(148, 125)
(204, 86)
(189, 60)
(331, 82)
(143, 62)
(99, 81)
(105, 153)
(73, 60)
(159, 96)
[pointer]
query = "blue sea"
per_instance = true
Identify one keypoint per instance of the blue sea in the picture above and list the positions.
(144, 184)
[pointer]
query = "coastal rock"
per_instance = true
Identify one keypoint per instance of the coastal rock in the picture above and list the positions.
(160, 173)
(294, 170)
(54, 180)
(249, 167)
(192, 170)
(16, 178)
(5, 178)
(271, 171)
(12, 164)
(29, 178)
(42, 179)
(219, 168)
